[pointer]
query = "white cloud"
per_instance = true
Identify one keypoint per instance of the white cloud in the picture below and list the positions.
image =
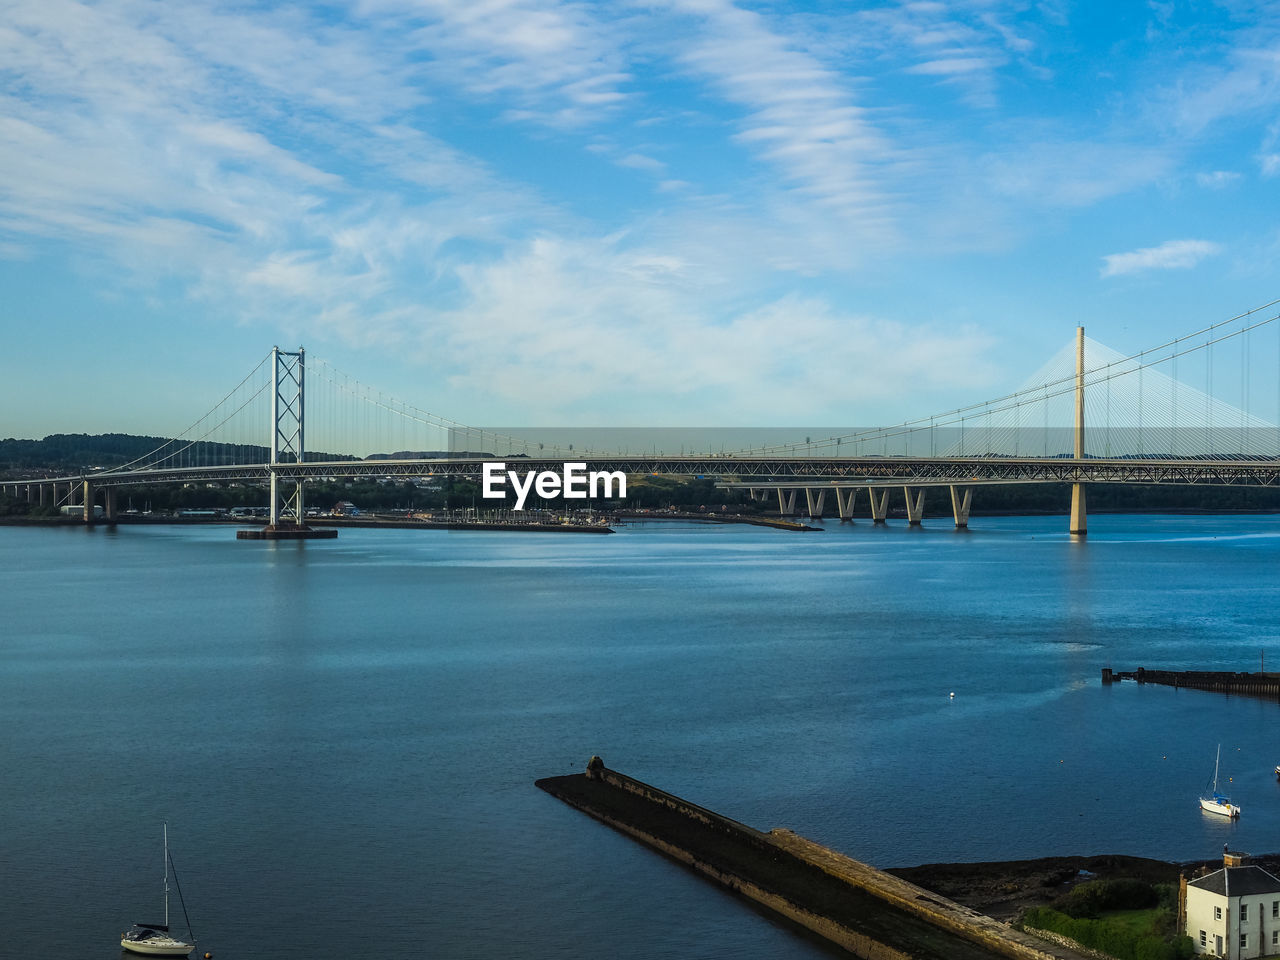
(1217, 179)
(1171, 255)
(638, 161)
(951, 66)
(1074, 173)
(800, 116)
(607, 324)
(558, 62)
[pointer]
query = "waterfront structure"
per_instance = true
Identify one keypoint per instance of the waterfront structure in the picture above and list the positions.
(1233, 912)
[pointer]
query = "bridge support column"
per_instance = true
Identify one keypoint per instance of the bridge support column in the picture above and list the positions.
(1079, 515)
(815, 508)
(915, 506)
(786, 503)
(960, 505)
(1078, 520)
(109, 508)
(87, 493)
(879, 504)
(844, 504)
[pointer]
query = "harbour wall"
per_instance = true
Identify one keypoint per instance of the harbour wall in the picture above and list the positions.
(1250, 684)
(866, 911)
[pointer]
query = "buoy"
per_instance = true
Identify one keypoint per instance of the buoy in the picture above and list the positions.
(208, 956)
(953, 694)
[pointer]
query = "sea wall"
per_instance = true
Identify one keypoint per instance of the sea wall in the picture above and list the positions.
(868, 912)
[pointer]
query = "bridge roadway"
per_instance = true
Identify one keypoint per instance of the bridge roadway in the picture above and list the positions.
(785, 476)
(767, 472)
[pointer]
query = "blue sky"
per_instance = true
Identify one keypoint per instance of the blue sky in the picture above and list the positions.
(652, 214)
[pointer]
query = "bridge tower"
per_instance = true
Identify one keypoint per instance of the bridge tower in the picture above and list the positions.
(1079, 522)
(288, 512)
(288, 372)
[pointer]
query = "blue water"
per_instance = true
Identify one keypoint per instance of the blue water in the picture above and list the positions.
(344, 735)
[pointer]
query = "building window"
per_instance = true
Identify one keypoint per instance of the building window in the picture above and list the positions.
(1244, 913)
(1244, 940)
(1204, 939)
(1275, 909)
(1217, 913)
(1275, 937)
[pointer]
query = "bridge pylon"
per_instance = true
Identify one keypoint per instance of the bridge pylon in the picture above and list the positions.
(288, 510)
(288, 373)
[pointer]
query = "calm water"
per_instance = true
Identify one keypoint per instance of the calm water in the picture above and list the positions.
(344, 735)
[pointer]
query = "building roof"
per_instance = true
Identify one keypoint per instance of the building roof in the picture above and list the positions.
(1238, 882)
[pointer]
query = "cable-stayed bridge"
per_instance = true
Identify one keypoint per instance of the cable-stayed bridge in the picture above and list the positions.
(1200, 408)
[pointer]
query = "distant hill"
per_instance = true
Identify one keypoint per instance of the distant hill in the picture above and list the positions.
(73, 452)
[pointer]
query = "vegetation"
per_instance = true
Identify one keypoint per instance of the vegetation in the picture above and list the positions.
(12, 507)
(1123, 918)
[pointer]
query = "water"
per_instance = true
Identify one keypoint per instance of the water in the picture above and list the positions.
(344, 735)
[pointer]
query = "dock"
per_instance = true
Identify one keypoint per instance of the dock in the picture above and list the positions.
(1265, 685)
(863, 910)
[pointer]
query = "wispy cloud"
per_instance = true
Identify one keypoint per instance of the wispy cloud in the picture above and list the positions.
(551, 63)
(1171, 255)
(799, 115)
(1217, 179)
(1074, 173)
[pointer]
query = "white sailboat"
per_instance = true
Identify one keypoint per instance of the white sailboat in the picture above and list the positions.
(1215, 802)
(154, 939)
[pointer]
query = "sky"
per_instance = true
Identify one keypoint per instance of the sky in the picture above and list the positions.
(679, 213)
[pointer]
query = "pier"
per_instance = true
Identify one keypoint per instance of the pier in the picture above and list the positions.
(1266, 685)
(857, 907)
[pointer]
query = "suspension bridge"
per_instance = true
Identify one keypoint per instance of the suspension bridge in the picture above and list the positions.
(1201, 408)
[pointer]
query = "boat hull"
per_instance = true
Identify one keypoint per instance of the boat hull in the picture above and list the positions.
(1221, 807)
(158, 947)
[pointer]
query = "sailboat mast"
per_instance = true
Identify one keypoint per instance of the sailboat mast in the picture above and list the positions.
(166, 870)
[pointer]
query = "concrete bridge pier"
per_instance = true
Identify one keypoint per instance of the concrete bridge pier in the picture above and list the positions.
(915, 506)
(879, 504)
(1079, 515)
(1078, 520)
(960, 505)
(844, 504)
(786, 502)
(815, 507)
(87, 501)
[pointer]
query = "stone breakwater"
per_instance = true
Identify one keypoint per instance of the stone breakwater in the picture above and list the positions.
(865, 911)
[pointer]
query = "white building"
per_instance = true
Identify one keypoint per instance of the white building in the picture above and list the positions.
(1233, 912)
